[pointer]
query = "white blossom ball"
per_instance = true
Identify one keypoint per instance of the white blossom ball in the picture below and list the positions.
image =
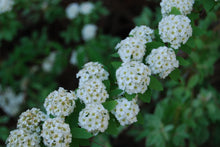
(93, 91)
(92, 70)
(94, 118)
(22, 138)
(175, 29)
(131, 49)
(162, 61)
(56, 133)
(49, 62)
(145, 33)
(89, 32)
(72, 10)
(126, 111)
(86, 8)
(30, 119)
(60, 103)
(184, 6)
(133, 77)
(6, 5)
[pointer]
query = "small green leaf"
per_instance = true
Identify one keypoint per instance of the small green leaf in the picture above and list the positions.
(107, 84)
(80, 133)
(112, 127)
(145, 97)
(175, 11)
(116, 64)
(140, 119)
(193, 81)
(115, 92)
(154, 45)
(130, 97)
(175, 75)
(4, 119)
(110, 105)
(115, 55)
(155, 84)
(182, 61)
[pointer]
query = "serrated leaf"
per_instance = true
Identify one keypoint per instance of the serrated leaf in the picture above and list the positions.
(145, 97)
(129, 96)
(182, 61)
(193, 81)
(80, 133)
(116, 64)
(155, 84)
(175, 11)
(175, 75)
(115, 92)
(110, 105)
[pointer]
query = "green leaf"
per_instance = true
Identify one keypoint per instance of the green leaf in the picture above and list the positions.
(112, 126)
(130, 97)
(153, 45)
(175, 75)
(145, 97)
(182, 61)
(4, 132)
(175, 11)
(186, 49)
(155, 84)
(208, 4)
(4, 119)
(110, 105)
(107, 84)
(140, 118)
(115, 92)
(115, 55)
(193, 81)
(116, 64)
(80, 133)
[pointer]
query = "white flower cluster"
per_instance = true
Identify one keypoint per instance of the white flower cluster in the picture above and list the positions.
(22, 138)
(60, 103)
(74, 9)
(126, 111)
(49, 62)
(94, 118)
(133, 77)
(131, 49)
(30, 119)
(10, 101)
(162, 61)
(92, 70)
(93, 91)
(184, 6)
(175, 29)
(6, 5)
(89, 32)
(143, 32)
(56, 133)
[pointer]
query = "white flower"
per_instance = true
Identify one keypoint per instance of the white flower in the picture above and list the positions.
(131, 49)
(72, 10)
(143, 32)
(126, 111)
(49, 62)
(60, 103)
(184, 6)
(175, 29)
(89, 32)
(92, 91)
(56, 133)
(73, 58)
(6, 5)
(30, 119)
(162, 61)
(133, 77)
(22, 138)
(86, 8)
(10, 102)
(92, 70)
(94, 118)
